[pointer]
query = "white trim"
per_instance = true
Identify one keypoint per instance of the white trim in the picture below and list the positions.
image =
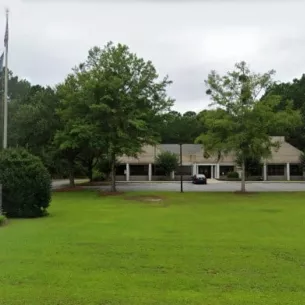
(288, 171)
(149, 172)
(194, 169)
(217, 171)
(265, 172)
(127, 172)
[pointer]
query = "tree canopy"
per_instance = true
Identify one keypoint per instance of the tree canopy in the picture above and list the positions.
(242, 122)
(113, 102)
(167, 162)
(292, 92)
(180, 128)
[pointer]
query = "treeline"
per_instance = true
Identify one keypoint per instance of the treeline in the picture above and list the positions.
(112, 104)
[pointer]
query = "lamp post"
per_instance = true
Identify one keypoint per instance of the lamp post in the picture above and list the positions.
(181, 173)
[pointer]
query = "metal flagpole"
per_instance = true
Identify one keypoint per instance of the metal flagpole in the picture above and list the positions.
(5, 85)
(181, 173)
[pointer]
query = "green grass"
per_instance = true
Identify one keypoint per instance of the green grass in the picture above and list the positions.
(206, 249)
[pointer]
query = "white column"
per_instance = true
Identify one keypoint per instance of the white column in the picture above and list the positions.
(288, 171)
(172, 175)
(127, 172)
(265, 172)
(212, 172)
(194, 171)
(217, 171)
(149, 172)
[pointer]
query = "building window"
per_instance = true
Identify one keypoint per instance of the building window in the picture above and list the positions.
(139, 170)
(276, 170)
(120, 170)
(157, 171)
(296, 170)
(224, 170)
(184, 170)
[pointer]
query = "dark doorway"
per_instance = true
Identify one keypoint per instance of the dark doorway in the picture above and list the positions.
(205, 170)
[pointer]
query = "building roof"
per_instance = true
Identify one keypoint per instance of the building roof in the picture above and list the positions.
(186, 148)
(194, 153)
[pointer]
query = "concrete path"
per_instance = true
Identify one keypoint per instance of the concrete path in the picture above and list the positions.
(62, 183)
(212, 186)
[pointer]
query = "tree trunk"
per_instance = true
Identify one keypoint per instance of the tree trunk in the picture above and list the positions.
(113, 182)
(243, 177)
(71, 173)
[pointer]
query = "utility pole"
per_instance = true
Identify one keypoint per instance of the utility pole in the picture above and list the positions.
(181, 173)
(1, 208)
(5, 85)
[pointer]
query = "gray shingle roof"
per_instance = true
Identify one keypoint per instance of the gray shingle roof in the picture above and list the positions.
(187, 149)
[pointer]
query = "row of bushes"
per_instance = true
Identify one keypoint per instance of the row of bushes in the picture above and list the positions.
(234, 176)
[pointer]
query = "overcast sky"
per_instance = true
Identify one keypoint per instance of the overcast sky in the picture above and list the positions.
(184, 39)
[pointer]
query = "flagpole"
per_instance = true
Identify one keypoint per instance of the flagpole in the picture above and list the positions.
(5, 87)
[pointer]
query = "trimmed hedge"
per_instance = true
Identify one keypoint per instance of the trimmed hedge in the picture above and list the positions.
(26, 184)
(233, 175)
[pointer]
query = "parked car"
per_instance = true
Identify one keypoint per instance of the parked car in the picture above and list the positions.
(199, 179)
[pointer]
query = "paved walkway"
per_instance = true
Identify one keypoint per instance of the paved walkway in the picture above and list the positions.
(212, 186)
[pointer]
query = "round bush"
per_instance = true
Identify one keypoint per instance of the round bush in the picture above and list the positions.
(233, 175)
(26, 184)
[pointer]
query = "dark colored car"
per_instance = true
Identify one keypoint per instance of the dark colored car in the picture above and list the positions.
(199, 179)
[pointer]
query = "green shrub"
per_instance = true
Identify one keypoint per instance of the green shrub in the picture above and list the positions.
(26, 184)
(2, 220)
(97, 176)
(163, 178)
(167, 162)
(233, 175)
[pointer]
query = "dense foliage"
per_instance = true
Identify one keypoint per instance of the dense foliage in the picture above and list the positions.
(26, 184)
(233, 175)
(242, 122)
(253, 166)
(292, 93)
(115, 102)
(111, 105)
(167, 162)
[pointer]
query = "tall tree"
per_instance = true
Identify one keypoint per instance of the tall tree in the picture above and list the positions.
(18, 89)
(292, 92)
(78, 137)
(33, 120)
(116, 97)
(33, 123)
(178, 128)
(241, 123)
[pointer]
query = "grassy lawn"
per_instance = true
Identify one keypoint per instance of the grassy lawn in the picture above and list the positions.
(205, 249)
